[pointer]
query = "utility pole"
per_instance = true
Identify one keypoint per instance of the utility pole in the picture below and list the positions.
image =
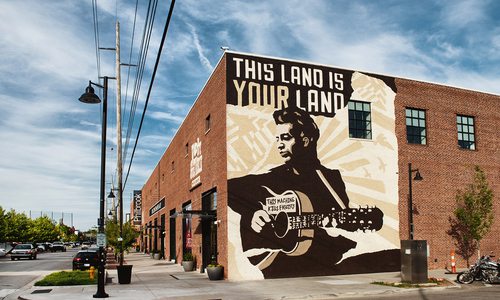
(119, 165)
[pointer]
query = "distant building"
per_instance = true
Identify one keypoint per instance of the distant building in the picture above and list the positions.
(263, 199)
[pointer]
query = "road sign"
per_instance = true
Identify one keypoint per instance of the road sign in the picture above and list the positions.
(101, 240)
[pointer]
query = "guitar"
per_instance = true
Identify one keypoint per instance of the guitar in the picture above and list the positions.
(293, 220)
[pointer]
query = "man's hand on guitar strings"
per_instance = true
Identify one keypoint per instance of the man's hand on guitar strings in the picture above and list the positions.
(259, 219)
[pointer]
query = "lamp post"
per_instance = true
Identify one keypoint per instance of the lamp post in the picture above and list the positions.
(91, 98)
(112, 211)
(417, 177)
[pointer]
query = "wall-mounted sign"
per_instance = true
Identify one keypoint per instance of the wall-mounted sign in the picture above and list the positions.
(196, 163)
(137, 205)
(159, 205)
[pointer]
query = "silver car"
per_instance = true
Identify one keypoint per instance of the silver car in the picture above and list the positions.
(23, 251)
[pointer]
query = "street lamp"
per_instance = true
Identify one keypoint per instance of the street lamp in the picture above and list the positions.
(112, 211)
(91, 98)
(417, 177)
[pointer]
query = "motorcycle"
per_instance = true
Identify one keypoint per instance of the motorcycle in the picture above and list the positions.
(485, 269)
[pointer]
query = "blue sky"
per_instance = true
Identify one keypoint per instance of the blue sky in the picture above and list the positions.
(50, 142)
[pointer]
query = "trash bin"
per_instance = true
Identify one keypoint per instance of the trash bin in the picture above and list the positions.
(124, 274)
(414, 261)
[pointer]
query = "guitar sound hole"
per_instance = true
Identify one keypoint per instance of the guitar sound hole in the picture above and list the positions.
(281, 225)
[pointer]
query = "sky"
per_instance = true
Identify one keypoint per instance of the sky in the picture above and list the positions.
(50, 142)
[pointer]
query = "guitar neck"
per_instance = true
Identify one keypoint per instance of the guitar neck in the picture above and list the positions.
(309, 220)
(350, 219)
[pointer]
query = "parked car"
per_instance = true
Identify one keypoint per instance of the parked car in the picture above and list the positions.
(85, 259)
(40, 248)
(47, 246)
(23, 251)
(2, 252)
(85, 245)
(58, 246)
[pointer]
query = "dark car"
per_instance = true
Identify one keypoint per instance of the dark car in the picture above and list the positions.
(23, 251)
(85, 259)
(58, 246)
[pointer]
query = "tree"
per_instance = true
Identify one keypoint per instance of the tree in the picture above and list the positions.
(2, 224)
(16, 227)
(473, 216)
(129, 235)
(43, 229)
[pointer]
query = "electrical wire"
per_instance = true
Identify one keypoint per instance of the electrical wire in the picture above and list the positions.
(96, 38)
(130, 56)
(172, 3)
(146, 37)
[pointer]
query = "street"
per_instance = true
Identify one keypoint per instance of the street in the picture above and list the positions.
(16, 274)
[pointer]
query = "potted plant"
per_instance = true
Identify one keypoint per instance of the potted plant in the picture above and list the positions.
(188, 262)
(121, 244)
(215, 270)
(156, 254)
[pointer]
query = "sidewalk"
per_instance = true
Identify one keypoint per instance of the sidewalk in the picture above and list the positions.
(158, 279)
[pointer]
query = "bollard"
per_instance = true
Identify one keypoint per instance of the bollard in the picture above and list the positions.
(91, 273)
(453, 267)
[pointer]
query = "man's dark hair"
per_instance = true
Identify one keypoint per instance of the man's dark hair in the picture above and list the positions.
(302, 123)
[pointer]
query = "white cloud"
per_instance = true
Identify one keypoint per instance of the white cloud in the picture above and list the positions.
(166, 116)
(461, 14)
(203, 59)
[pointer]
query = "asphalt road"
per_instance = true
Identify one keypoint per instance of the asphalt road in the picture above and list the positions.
(16, 274)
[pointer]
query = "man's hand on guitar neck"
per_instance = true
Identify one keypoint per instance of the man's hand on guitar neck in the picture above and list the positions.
(259, 219)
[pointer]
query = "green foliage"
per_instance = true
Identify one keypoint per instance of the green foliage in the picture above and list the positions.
(129, 235)
(68, 278)
(17, 227)
(473, 216)
(43, 229)
(2, 224)
(188, 256)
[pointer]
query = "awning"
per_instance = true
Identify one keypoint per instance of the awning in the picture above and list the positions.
(204, 214)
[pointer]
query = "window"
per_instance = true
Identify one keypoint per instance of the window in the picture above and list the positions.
(187, 149)
(162, 177)
(360, 120)
(207, 124)
(415, 126)
(465, 129)
(173, 166)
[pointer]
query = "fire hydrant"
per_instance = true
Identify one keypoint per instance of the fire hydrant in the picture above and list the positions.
(91, 273)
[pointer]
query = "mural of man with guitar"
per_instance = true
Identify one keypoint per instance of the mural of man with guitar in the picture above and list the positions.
(296, 219)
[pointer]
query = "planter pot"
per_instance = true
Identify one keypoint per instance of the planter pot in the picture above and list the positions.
(124, 274)
(215, 273)
(156, 256)
(188, 265)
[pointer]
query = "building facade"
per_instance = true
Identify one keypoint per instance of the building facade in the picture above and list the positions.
(284, 168)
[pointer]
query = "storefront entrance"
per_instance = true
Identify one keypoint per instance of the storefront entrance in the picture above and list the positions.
(209, 228)
(172, 235)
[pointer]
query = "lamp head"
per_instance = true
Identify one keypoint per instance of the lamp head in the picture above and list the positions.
(111, 194)
(418, 176)
(89, 96)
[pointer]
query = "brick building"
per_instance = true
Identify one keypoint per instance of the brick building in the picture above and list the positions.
(265, 204)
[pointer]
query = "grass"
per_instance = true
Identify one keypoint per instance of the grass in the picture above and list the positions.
(431, 282)
(67, 278)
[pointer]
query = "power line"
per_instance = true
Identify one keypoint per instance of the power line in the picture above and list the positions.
(96, 38)
(130, 55)
(151, 85)
(146, 37)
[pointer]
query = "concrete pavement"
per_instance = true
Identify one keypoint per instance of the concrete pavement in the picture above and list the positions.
(159, 279)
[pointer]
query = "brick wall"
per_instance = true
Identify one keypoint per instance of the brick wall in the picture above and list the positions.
(175, 185)
(444, 166)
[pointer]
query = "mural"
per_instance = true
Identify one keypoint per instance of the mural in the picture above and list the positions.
(305, 199)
